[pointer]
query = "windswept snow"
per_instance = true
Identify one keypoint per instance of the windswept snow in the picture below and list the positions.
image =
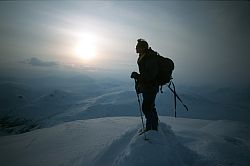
(115, 141)
(161, 148)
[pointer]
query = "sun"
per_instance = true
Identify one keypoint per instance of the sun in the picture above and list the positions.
(86, 47)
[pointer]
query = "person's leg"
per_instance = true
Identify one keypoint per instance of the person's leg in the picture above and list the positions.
(146, 110)
(154, 120)
(148, 107)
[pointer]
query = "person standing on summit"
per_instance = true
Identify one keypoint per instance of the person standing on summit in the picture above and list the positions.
(146, 82)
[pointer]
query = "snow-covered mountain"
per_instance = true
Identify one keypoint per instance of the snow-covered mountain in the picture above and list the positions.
(115, 141)
(52, 101)
(79, 120)
(61, 99)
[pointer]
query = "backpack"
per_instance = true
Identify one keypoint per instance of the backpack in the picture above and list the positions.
(166, 67)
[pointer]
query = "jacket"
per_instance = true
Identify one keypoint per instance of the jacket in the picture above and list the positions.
(149, 69)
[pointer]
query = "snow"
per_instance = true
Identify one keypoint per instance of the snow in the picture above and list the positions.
(115, 141)
(138, 152)
(81, 121)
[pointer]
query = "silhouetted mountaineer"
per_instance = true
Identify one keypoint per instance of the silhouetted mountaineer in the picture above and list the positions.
(146, 82)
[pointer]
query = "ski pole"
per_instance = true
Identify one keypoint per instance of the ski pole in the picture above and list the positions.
(176, 95)
(140, 110)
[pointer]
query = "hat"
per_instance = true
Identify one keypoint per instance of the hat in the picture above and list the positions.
(141, 43)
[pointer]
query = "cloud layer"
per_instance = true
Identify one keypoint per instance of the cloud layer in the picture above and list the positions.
(38, 62)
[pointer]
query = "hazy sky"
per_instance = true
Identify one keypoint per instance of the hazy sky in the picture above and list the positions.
(208, 41)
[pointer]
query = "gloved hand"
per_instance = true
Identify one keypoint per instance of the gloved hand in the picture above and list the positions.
(134, 75)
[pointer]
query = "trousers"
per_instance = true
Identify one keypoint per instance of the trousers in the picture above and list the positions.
(148, 107)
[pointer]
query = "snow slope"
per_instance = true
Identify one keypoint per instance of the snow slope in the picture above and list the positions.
(115, 141)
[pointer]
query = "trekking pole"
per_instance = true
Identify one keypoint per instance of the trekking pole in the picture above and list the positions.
(176, 96)
(140, 110)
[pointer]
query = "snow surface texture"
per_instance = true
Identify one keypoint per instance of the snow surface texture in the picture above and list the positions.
(115, 141)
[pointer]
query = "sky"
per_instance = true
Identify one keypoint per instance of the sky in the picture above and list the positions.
(208, 41)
